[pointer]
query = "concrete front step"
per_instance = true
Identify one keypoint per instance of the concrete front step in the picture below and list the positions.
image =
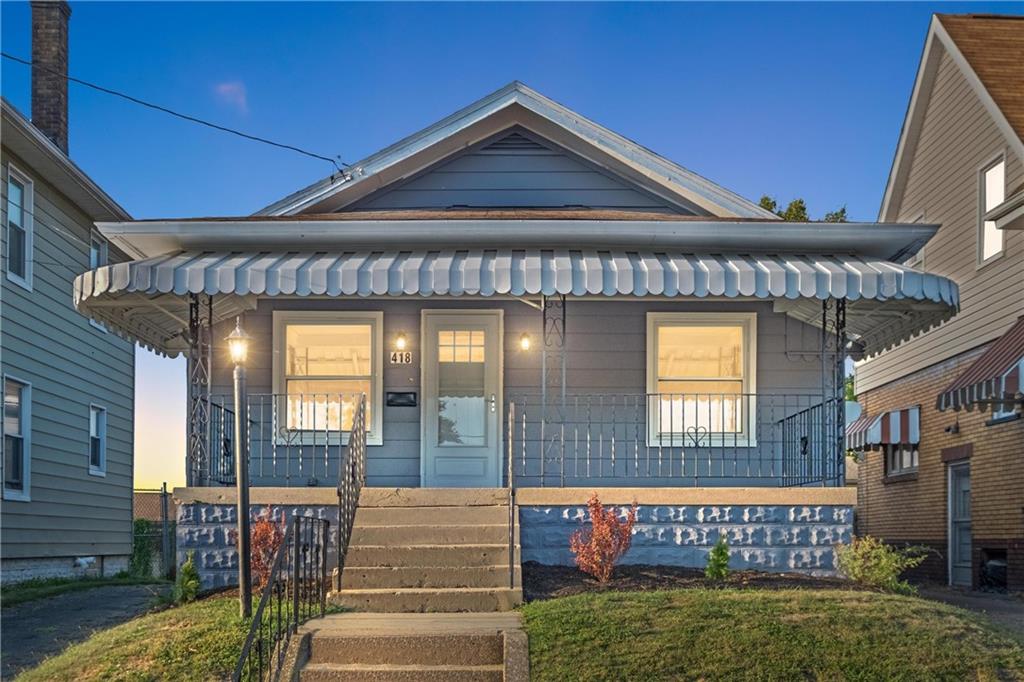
(428, 576)
(434, 534)
(430, 516)
(362, 556)
(426, 600)
(425, 649)
(329, 672)
(433, 497)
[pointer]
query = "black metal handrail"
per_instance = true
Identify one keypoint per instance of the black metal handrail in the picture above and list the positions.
(296, 591)
(351, 477)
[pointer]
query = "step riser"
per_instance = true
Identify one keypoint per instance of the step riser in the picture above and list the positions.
(438, 576)
(430, 602)
(466, 555)
(402, 676)
(409, 650)
(429, 516)
(432, 497)
(429, 535)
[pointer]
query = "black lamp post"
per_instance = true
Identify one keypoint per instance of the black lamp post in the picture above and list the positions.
(238, 345)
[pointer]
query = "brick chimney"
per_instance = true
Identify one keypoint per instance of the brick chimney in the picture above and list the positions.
(49, 86)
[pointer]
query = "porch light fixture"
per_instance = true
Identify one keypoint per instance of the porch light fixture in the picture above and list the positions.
(524, 342)
(238, 343)
(400, 342)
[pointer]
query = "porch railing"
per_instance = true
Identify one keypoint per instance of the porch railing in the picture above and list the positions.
(296, 591)
(350, 483)
(676, 439)
(294, 440)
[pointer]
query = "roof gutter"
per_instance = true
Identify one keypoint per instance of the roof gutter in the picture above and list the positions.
(894, 242)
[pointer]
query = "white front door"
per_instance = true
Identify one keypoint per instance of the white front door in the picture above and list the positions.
(462, 406)
(960, 525)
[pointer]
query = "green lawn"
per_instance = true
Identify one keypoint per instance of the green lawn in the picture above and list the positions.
(197, 641)
(763, 635)
(29, 590)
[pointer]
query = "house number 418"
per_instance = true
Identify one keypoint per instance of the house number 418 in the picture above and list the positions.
(401, 357)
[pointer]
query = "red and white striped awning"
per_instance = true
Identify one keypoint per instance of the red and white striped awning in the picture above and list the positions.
(897, 427)
(995, 380)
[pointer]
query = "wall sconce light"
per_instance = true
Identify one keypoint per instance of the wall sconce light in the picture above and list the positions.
(524, 342)
(400, 342)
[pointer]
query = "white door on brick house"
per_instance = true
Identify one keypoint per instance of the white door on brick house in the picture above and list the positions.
(462, 405)
(960, 524)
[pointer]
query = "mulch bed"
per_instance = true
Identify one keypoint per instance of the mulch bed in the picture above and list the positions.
(547, 582)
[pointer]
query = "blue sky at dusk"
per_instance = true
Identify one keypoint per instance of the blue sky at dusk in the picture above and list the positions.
(786, 99)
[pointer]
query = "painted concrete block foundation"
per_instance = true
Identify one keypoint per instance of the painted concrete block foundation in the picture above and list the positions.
(793, 538)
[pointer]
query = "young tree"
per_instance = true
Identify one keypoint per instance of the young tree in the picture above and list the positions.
(796, 211)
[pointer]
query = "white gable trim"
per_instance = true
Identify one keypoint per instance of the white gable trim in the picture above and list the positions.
(516, 104)
(937, 38)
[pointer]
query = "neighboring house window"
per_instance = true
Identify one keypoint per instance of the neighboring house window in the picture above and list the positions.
(19, 228)
(17, 438)
(97, 440)
(993, 193)
(900, 459)
(700, 372)
(98, 255)
(323, 362)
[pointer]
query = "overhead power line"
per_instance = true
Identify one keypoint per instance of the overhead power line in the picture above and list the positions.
(192, 119)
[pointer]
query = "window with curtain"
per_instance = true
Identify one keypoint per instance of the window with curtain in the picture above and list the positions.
(16, 437)
(97, 440)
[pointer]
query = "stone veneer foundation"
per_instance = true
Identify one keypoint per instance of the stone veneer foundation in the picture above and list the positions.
(770, 529)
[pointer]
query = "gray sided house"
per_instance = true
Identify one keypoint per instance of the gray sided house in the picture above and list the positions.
(532, 305)
(68, 381)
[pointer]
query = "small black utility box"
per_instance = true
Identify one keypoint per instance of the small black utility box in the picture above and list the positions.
(401, 399)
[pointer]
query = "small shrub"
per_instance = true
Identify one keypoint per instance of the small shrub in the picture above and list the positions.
(718, 561)
(266, 540)
(599, 547)
(871, 562)
(186, 588)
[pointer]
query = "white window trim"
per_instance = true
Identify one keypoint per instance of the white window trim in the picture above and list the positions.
(917, 260)
(748, 436)
(375, 319)
(105, 260)
(981, 199)
(25, 494)
(28, 216)
(101, 470)
(888, 451)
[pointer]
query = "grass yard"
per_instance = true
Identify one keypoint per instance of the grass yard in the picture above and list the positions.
(732, 634)
(197, 641)
(29, 590)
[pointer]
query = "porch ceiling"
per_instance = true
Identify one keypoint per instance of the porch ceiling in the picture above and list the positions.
(147, 299)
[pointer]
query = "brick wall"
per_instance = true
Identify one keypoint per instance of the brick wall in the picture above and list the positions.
(50, 63)
(913, 510)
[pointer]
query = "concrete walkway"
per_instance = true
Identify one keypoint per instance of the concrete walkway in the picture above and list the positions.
(1005, 610)
(41, 628)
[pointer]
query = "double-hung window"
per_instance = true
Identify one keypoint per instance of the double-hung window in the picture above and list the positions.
(900, 459)
(98, 257)
(323, 363)
(992, 190)
(17, 438)
(19, 228)
(97, 440)
(701, 378)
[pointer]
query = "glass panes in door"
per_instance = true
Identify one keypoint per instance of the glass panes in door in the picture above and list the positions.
(461, 391)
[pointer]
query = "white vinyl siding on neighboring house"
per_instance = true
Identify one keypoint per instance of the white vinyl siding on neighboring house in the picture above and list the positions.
(19, 228)
(323, 361)
(17, 429)
(701, 366)
(97, 440)
(991, 193)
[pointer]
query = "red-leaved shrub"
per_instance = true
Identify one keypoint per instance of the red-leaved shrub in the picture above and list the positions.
(266, 537)
(599, 547)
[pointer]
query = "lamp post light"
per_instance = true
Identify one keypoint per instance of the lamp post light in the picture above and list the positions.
(238, 345)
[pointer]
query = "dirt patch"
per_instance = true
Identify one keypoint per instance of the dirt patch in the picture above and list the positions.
(547, 582)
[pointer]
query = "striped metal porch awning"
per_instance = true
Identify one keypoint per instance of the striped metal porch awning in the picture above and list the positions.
(995, 380)
(145, 299)
(896, 427)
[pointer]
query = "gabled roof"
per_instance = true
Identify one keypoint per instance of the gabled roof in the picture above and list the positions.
(989, 51)
(516, 104)
(48, 161)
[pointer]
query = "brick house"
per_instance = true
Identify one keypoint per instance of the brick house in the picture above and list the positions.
(941, 431)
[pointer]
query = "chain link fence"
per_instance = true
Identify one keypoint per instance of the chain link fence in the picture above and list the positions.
(153, 546)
